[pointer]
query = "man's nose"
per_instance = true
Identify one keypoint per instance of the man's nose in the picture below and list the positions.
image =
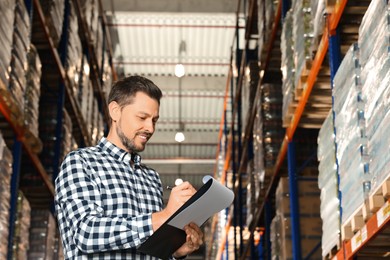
(150, 126)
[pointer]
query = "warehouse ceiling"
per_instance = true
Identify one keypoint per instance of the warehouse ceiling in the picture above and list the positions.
(149, 38)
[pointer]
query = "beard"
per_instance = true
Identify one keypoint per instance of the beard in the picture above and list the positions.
(128, 143)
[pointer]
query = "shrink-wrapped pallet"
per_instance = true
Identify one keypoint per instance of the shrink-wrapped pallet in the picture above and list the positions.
(328, 184)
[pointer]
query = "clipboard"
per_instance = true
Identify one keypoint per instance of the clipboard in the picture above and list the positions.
(211, 198)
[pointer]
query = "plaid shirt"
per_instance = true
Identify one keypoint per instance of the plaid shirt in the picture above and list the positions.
(104, 205)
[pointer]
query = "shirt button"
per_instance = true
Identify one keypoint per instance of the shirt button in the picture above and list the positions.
(137, 158)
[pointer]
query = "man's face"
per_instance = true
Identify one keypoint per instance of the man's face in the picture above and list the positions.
(137, 121)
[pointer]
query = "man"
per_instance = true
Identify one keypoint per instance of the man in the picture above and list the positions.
(107, 203)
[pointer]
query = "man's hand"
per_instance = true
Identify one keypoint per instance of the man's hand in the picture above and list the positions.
(179, 195)
(194, 240)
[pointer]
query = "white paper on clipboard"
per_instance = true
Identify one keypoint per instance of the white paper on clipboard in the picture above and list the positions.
(208, 202)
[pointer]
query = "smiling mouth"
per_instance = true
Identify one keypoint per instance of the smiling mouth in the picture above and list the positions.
(144, 136)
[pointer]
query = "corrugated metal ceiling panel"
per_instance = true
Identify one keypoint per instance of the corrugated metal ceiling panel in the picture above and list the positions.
(150, 42)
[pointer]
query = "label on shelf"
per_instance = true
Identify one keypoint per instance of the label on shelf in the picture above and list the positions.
(383, 214)
(359, 238)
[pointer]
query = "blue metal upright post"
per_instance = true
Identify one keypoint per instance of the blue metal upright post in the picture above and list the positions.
(61, 93)
(334, 54)
(334, 63)
(285, 7)
(294, 203)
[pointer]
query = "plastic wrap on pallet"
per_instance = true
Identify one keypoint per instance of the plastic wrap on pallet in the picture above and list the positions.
(318, 11)
(276, 247)
(33, 91)
(74, 52)
(248, 91)
(266, 13)
(90, 11)
(309, 215)
(21, 242)
(21, 44)
(42, 235)
(375, 46)
(372, 25)
(258, 148)
(7, 17)
(53, 10)
(107, 77)
(327, 182)
(351, 136)
(273, 132)
(47, 128)
(302, 35)
(287, 63)
(6, 161)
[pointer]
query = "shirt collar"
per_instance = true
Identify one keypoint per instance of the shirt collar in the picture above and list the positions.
(116, 152)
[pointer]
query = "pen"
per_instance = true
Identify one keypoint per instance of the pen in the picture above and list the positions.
(169, 187)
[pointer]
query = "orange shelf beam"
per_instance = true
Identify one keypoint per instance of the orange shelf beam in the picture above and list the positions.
(373, 226)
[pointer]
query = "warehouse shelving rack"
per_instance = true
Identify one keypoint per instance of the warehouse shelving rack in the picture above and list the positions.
(24, 141)
(328, 45)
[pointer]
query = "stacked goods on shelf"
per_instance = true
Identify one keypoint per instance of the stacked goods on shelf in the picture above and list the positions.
(86, 95)
(53, 10)
(266, 16)
(90, 11)
(42, 235)
(33, 91)
(287, 65)
(47, 125)
(74, 50)
(350, 133)
(21, 44)
(267, 138)
(309, 217)
(7, 17)
(302, 31)
(248, 91)
(318, 20)
(256, 178)
(299, 42)
(21, 242)
(374, 56)
(97, 123)
(107, 78)
(6, 161)
(58, 252)
(275, 233)
(273, 132)
(328, 183)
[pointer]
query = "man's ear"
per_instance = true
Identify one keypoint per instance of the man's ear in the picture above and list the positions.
(114, 110)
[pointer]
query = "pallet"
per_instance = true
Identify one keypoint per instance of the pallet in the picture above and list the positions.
(358, 219)
(333, 252)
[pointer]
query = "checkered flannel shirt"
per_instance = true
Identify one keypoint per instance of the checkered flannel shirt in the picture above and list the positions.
(104, 205)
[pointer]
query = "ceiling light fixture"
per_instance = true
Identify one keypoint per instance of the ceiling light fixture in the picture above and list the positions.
(179, 70)
(179, 136)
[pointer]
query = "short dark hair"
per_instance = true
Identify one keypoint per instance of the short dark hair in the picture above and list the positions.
(125, 89)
